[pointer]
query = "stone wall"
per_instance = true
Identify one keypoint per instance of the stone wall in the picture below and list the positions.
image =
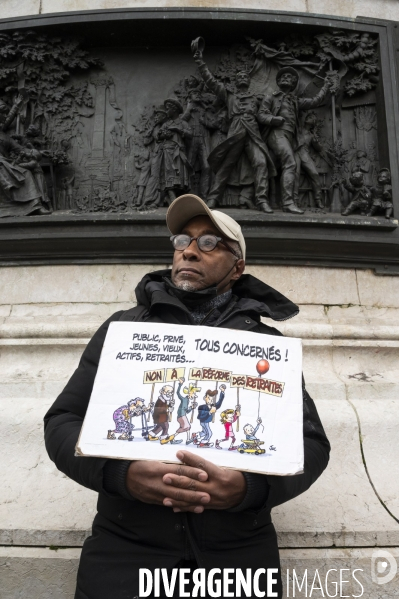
(350, 327)
(377, 9)
(349, 324)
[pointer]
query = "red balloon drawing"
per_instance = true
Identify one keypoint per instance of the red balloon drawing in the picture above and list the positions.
(262, 367)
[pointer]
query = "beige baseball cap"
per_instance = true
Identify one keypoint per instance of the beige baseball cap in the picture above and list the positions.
(187, 206)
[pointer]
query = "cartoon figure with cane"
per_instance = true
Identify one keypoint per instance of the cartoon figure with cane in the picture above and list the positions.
(144, 412)
(123, 419)
(162, 409)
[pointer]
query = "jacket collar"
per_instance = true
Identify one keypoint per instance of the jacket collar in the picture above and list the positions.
(250, 295)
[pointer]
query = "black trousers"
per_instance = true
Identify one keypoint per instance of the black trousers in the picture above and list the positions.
(113, 556)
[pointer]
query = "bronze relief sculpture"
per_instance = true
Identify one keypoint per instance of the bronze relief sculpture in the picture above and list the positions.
(277, 127)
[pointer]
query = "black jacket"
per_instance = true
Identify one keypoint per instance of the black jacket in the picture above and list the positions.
(236, 538)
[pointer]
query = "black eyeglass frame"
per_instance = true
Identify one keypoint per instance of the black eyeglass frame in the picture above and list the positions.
(219, 240)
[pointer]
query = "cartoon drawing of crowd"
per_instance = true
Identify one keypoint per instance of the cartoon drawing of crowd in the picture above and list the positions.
(162, 412)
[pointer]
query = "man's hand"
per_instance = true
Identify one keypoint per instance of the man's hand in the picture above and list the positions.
(226, 488)
(181, 379)
(144, 481)
(18, 100)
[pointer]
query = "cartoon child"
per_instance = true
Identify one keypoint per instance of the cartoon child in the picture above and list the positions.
(227, 418)
(250, 433)
(205, 413)
(187, 404)
(123, 418)
(163, 407)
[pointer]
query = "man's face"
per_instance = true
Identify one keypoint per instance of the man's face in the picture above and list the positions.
(357, 179)
(242, 80)
(167, 392)
(171, 110)
(159, 117)
(192, 81)
(195, 97)
(248, 429)
(384, 178)
(194, 270)
(287, 82)
(208, 399)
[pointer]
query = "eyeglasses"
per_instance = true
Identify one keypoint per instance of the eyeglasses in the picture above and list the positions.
(206, 243)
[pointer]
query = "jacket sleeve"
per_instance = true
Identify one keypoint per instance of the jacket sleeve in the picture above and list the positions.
(316, 456)
(308, 103)
(220, 400)
(316, 453)
(213, 84)
(265, 114)
(178, 392)
(64, 419)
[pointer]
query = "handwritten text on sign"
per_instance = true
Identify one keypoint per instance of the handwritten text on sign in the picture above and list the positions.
(210, 374)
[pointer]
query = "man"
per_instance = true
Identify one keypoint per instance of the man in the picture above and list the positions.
(199, 145)
(361, 194)
(243, 138)
(206, 415)
(175, 169)
(307, 139)
(156, 515)
(163, 407)
(280, 113)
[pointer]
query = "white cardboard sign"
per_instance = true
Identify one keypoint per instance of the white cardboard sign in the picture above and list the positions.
(233, 397)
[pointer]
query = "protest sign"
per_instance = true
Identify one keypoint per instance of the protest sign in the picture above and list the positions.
(234, 397)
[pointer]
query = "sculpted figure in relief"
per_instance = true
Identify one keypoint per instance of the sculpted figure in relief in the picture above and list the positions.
(243, 136)
(307, 140)
(280, 113)
(382, 194)
(19, 193)
(175, 168)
